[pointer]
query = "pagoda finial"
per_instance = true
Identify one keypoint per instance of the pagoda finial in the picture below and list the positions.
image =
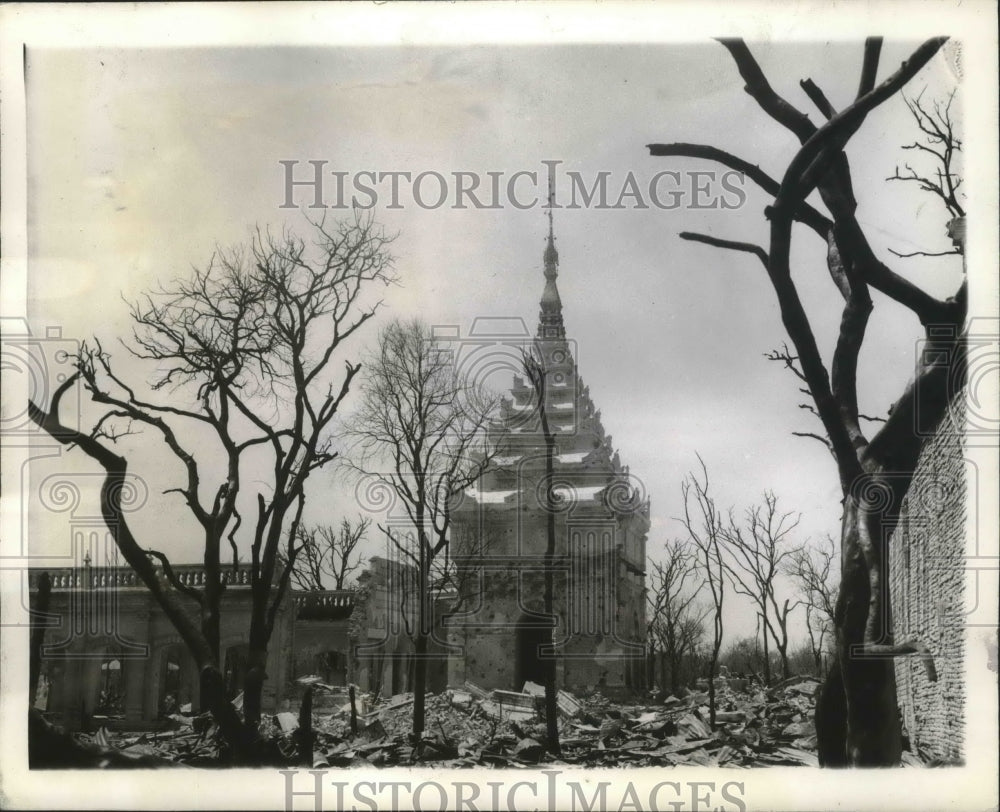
(552, 201)
(550, 322)
(551, 255)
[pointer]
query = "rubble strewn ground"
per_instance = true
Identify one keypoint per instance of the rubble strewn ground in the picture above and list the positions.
(470, 727)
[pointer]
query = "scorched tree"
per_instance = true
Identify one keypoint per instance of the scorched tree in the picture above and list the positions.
(232, 370)
(857, 719)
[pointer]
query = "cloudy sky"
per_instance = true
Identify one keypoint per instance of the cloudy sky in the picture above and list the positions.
(142, 160)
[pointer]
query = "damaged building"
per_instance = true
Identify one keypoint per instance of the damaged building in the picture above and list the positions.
(110, 653)
(601, 524)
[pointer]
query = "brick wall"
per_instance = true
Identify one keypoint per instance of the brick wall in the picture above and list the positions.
(926, 567)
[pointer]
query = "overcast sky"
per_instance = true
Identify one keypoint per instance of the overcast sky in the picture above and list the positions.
(140, 161)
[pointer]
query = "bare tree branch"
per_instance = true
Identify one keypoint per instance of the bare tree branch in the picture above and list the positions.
(925, 253)
(703, 524)
(818, 98)
(329, 552)
(749, 248)
(805, 214)
(674, 620)
(757, 550)
(175, 582)
(790, 361)
(943, 144)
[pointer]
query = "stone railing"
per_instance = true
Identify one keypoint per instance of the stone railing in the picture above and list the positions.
(194, 575)
(88, 577)
(325, 600)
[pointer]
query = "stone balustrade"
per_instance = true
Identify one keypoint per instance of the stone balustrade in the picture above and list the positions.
(70, 578)
(327, 599)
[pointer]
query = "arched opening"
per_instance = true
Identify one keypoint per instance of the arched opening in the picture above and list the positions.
(402, 672)
(235, 669)
(111, 688)
(168, 700)
(332, 666)
(531, 634)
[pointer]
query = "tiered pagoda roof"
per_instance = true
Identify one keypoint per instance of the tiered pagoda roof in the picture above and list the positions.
(586, 463)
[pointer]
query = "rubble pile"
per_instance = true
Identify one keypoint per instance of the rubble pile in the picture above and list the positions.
(471, 727)
(191, 741)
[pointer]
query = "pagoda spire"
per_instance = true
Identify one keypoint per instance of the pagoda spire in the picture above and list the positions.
(550, 320)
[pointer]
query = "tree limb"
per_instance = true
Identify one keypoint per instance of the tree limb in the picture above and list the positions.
(175, 582)
(806, 214)
(732, 245)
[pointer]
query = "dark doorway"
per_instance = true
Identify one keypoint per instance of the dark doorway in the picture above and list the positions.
(332, 665)
(533, 632)
(170, 681)
(111, 693)
(398, 669)
(235, 669)
(402, 672)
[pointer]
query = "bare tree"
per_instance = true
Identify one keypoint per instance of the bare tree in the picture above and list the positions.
(675, 620)
(534, 368)
(757, 553)
(690, 636)
(704, 526)
(813, 568)
(940, 140)
(243, 348)
(421, 431)
(857, 718)
(456, 574)
(744, 656)
(328, 554)
(454, 577)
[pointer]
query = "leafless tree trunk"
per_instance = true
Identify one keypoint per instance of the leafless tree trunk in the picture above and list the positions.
(756, 555)
(688, 636)
(534, 369)
(327, 554)
(857, 718)
(674, 619)
(244, 347)
(341, 545)
(704, 527)
(811, 567)
(767, 652)
(421, 432)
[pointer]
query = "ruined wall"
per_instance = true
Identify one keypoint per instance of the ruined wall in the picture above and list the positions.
(598, 601)
(320, 648)
(90, 626)
(381, 647)
(927, 559)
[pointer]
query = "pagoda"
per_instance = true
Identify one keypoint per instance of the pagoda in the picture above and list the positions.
(500, 638)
